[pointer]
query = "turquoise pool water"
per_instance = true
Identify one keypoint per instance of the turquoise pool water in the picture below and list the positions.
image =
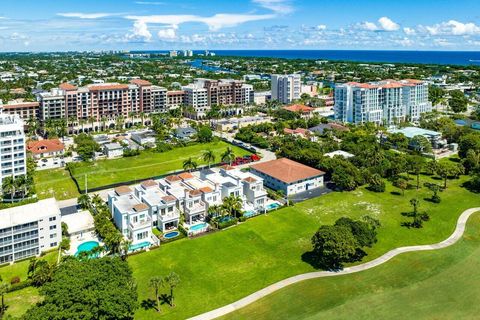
(272, 206)
(171, 235)
(224, 219)
(140, 245)
(198, 227)
(249, 214)
(86, 246)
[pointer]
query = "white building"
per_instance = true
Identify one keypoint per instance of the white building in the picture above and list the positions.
(13, 160)
(384, 102)
(288, 176)
(26, 231)
(286, 88)
(113, 150)
(131, 216)
(196, 97)
(162, 207)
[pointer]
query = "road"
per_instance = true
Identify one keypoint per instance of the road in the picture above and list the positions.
(454, 237)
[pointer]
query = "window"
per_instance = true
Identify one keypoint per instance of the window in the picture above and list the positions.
(52, 218)
(52, 235)
(53, 244)
(53, 227)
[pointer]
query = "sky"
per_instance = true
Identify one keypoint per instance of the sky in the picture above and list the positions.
(79, 25)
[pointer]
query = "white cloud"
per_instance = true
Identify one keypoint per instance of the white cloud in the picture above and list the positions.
(405, 42)
(80, 15)
(409, 31)
(167, 34)
(140, 30)
(370, 26)
(387, 24)
(384, 24)
(452, 27)
(321, 27)
(277, 6)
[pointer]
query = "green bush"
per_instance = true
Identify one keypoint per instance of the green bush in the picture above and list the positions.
(226, 224)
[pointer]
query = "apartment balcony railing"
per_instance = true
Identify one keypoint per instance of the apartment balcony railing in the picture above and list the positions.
(195, 208)
(140, 224)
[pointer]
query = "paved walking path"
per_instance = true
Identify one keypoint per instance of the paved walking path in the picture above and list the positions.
(456, 235)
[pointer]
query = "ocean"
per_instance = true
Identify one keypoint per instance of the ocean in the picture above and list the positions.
(463, 58)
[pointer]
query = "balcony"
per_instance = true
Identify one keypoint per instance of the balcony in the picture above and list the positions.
(175, 214)
(196, 208)
(140, 224)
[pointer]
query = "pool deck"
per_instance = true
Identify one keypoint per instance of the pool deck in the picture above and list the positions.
(78, 240)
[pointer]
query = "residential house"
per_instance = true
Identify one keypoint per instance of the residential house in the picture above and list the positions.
(46, 148)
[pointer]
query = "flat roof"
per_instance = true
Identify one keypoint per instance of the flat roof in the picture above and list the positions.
(287, 170)
(411, 132)
(79, 221)
(28, 213)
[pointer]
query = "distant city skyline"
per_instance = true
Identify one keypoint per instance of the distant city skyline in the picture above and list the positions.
(50, 25)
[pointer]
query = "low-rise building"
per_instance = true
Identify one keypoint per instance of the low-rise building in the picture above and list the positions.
(28, 230)
(144, 138)
(237, 123)
(113, 150)
(301, 109)
(46, 148)
(288, 176)
(185, 133)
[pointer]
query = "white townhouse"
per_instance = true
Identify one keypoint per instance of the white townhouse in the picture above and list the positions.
(162, 207)
(28, 230)
(131, 216)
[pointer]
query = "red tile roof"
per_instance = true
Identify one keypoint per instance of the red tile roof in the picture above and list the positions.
(195, 192)
(301, 131)
(298, 108)
(185, 175)
(45, 146)
(140, 82)
(121, 190)
(169, 198)
(114, 86)
(21, 105)
(287, 170)
(227, 167)
(67, 87)
(173, 178)
(140, 207)
(250, 179)
(206, 189)
(149, 183)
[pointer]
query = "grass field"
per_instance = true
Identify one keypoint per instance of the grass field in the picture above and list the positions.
(230, 264)
(20, 269)
(18, 302)
(441, 284)
(55, 183)
(147, 164)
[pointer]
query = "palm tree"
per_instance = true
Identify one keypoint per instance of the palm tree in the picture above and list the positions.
(209, 157)
(172, 281)
(84, 201)
(233, 205)
(82, 123)
(156, 283)
(142, 115)
(21, 184)
(228, 156)
(92, 121)
(97, 200)
(8, 186)
(124, 248)
(119, 121)
(4, 288)
(104, 122)
(189, 164)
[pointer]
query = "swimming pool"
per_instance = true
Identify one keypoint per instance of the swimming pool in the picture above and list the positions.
(249, 214)
(140, 245)
(86, 246)
(272, 206)
(171, 234)
(225, 219)
(198, 227)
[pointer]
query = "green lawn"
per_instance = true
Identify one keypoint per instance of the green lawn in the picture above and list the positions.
(441, 284)
(220, 268)
(20, 268)
(18, 302)
(55, 183)
(147, 164)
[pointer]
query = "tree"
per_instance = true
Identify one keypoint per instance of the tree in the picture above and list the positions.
(402, 184)
(472, 161)
(364, 232)
(418, 217)
(172, 281)
(334, 245)
(376, 183)
(435, 188)
(467, 142)
(416, 164)
(204, 134)
(446, 169)
(208, 157)
(43, 273)
(189, 164)
(86, 146)
(421, 144)
(228, 156)
(4, 288)
(435, 94)
(233, 205)
(84, 201)
(156, 283)
(8, 186)
(457, 102)
(90, 289)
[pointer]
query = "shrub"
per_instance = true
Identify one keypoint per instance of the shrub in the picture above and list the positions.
(242, 219)
(15, 280)
(436, 198)
(226, 224)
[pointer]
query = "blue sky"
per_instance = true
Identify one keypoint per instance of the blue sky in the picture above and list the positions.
(48, 25)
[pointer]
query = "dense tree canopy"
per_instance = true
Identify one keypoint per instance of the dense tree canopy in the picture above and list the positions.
(458, 102)
(91, 289)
